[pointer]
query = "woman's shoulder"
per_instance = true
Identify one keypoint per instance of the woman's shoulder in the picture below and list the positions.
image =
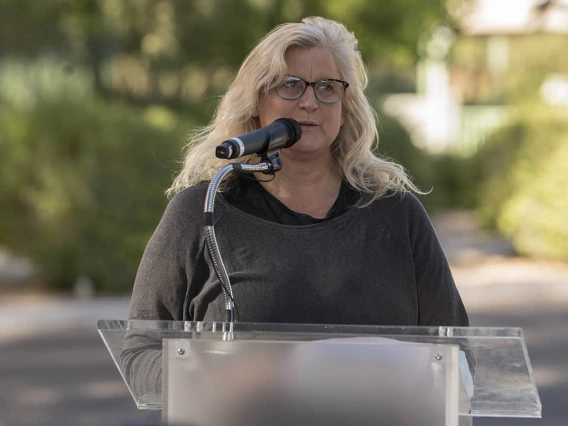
(402, 208)
(188, 197)
(411, 202)
(187, 205)
(399, 201)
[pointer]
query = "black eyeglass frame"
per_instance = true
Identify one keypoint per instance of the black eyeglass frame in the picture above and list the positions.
(313, 85)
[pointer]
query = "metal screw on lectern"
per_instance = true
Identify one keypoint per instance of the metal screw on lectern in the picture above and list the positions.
(181, 351)
(439, 357)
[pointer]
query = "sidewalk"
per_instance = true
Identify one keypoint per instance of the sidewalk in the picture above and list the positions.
(487, 271)
(29, 314)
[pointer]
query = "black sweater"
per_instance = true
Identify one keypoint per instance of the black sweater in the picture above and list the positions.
(379, 265)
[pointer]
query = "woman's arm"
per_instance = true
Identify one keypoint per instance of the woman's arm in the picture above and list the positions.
(161, 288)
(439, 302)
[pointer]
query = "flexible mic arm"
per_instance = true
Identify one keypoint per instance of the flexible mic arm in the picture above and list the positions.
(270, 163)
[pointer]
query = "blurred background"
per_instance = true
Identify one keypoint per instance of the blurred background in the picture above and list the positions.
(96, 100)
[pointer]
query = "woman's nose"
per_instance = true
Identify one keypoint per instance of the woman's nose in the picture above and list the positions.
(308, 100)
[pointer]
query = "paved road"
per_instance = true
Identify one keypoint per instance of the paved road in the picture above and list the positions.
(58, 371)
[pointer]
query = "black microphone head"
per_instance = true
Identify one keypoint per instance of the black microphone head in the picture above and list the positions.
(294, 130)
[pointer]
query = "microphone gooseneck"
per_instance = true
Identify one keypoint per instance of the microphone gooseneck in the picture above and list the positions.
(266, 142)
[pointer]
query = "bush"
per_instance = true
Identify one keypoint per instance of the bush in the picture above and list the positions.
(446, 178)
(522, 177)
(396, 145)
(82, 186)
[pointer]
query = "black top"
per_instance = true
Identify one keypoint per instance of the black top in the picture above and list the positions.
(248, 195)
(381, 265)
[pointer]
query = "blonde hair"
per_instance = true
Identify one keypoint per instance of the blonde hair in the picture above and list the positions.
(264, 67)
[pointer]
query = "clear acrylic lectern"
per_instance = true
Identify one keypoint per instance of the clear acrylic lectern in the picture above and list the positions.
(210, 373)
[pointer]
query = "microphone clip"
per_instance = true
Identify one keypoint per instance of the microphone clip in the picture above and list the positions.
(273, 161)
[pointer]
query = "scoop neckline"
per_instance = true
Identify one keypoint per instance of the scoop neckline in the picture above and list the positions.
(270, 224)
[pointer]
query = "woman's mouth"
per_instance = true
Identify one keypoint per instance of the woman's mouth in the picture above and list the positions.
(308, 124)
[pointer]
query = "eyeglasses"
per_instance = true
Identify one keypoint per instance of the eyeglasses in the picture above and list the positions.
(328, 91)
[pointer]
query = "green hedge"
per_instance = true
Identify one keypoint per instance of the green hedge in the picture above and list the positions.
(446, 178)
(522, 178)
(82, 186)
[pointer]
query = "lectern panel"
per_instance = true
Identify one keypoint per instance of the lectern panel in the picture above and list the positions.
(496, 377)
(339, 382)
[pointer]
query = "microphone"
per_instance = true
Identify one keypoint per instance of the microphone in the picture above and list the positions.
(283, 133)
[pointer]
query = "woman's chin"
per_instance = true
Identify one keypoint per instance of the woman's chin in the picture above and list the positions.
(308, 147)
(304, 153)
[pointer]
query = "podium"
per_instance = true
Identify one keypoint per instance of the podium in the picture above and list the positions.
(213, 373)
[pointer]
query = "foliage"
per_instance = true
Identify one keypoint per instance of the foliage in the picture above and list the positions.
(515, 74)
(532, 60)
(186, 52)
(521, 179)
(395, 144)
(452, 181)
(82, 185)
(445, 178)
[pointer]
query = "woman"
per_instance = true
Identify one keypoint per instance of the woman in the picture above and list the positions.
(334, 237)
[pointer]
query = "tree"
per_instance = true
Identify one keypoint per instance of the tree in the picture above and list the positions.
(181, 52)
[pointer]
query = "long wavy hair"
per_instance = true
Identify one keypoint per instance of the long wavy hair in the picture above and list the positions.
(261, 71)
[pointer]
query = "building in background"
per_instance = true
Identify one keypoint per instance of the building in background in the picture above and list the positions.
(508, 52)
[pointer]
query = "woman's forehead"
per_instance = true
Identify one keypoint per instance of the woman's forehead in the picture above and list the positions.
(311, 63)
